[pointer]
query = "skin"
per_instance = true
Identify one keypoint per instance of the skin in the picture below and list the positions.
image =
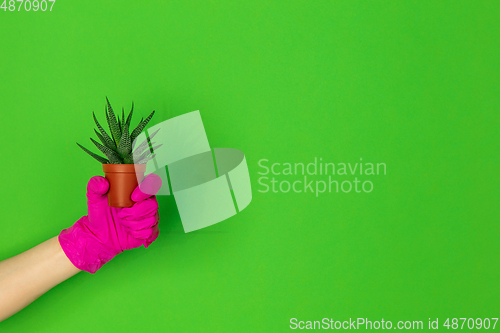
(27, 276)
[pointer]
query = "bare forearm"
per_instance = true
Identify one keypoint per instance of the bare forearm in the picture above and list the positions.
(28, 275)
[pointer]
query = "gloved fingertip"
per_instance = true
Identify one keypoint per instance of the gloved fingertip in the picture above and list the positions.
(147, 188)
(153, 237)
(151, 184)
(98, 185)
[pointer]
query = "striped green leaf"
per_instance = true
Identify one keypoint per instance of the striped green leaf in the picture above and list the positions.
(122, 122)
(97, 157)
(145, 142)
(100, 137)
(140, 127)
(140, 148)
(156, 147)
(144, 155)
(129, 117)
(145, 160)
(125, 145)
(108, 142)
(139, 152)
(113, 157)
(114, 127)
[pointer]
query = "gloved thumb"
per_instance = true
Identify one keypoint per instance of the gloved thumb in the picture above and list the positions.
(97, 188)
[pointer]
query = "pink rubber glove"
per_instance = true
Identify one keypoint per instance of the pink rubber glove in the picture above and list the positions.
(106, 231)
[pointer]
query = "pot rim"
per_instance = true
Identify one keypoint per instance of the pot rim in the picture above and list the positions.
(124, 168)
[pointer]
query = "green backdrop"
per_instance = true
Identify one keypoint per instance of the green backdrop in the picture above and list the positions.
(412, 84)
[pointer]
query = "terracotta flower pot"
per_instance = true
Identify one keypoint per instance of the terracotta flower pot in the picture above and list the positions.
(123, 179)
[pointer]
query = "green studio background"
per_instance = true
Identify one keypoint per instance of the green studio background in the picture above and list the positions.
(413, 84)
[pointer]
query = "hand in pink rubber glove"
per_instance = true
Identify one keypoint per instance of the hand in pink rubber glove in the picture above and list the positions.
(106, 231)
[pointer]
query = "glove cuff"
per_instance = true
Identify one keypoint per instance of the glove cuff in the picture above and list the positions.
(83, 248)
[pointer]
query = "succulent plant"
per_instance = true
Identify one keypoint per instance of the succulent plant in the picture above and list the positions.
(118, 147)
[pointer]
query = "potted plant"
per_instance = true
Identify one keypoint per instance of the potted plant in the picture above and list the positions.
(124, 165)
